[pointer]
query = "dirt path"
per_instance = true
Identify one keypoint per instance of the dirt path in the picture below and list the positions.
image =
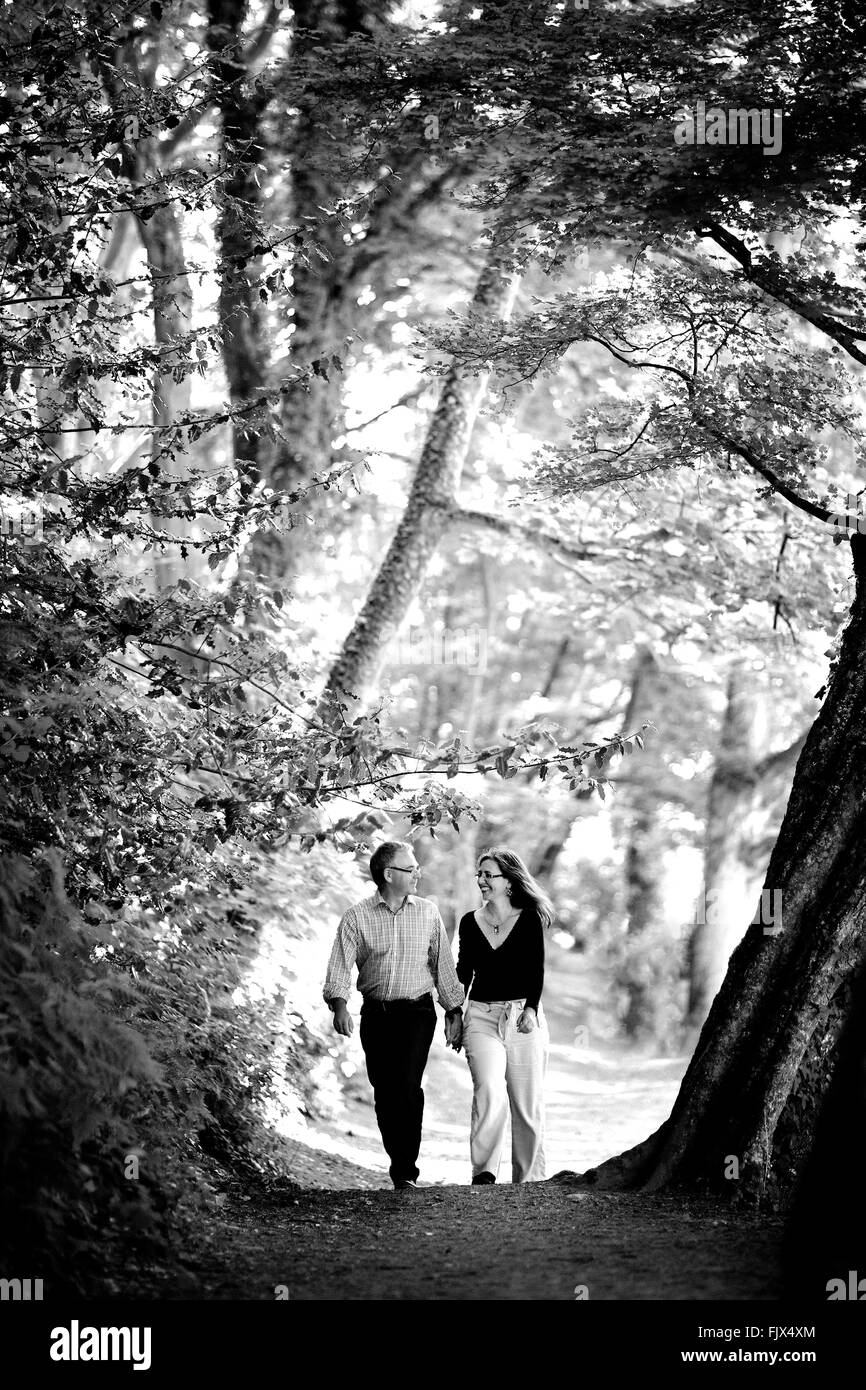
(541, 1241)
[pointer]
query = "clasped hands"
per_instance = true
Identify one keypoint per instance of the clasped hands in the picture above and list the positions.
(526, 1023)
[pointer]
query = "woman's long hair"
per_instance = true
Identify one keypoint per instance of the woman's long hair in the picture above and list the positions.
(525, 892)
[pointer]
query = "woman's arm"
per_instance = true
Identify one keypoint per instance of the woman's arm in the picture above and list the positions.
(465, 954)
(534, 962)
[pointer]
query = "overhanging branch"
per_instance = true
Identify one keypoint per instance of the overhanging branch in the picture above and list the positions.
(504, 526)
(772, 284)
(749, 456)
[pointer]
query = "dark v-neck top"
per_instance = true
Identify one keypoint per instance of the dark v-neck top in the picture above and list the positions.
(514, 970)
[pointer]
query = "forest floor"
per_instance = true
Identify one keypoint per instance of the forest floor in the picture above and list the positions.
(542, 1241)
(334, 1228)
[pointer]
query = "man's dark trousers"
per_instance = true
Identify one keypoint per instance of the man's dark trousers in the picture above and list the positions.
(396, 1038)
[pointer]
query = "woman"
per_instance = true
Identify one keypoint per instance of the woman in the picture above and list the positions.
(501, 966)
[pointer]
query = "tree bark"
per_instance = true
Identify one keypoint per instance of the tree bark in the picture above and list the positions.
(731, 878)
(241, 310)
(826, 1230)
(755, 1085)
(310, 420)
(646, 971)
(170, 396)
(425, 520)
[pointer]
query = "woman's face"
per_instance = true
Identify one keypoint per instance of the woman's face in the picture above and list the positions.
(493, 888)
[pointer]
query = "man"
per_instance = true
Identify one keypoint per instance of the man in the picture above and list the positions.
(398, 942)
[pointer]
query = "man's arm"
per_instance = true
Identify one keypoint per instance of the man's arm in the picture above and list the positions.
(448, 987)
(338, 978)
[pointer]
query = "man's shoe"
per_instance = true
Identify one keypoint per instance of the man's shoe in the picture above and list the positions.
(405, 1183)
(481, 1179)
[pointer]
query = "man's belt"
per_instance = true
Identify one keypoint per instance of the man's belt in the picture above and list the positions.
(384, 1005)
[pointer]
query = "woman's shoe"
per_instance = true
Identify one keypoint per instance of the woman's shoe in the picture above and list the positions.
(480, 1179)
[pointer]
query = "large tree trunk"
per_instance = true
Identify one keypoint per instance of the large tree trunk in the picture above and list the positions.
(241, 312)
(745, 1117)
(426, 517)
(310, 420)
(826, 1234)
(647, 970)
(171, 301)
(170, 397)
(328, 273)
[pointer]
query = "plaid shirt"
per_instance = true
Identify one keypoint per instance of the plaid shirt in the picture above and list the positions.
(399, 955)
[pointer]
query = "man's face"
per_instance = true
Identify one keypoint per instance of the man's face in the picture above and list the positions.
(403, 873)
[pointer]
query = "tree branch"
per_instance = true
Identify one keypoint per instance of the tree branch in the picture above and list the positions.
(751, 458)
(781, 762)
(504, 527)
(407, 398)
(770, 282)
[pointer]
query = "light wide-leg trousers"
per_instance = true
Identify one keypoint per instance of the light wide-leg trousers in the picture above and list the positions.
(507, 1070)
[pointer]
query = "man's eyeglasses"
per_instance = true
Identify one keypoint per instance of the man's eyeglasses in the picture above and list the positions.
(401, 869)
(489, 876)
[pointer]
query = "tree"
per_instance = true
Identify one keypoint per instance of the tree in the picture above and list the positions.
(130, 82)
(432, 494)
(243, 328)
(647, 970)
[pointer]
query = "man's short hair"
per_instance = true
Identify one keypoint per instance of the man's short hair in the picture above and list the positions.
(383, 857)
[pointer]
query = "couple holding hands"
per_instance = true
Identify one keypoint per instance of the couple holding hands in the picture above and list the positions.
(492, 1003)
